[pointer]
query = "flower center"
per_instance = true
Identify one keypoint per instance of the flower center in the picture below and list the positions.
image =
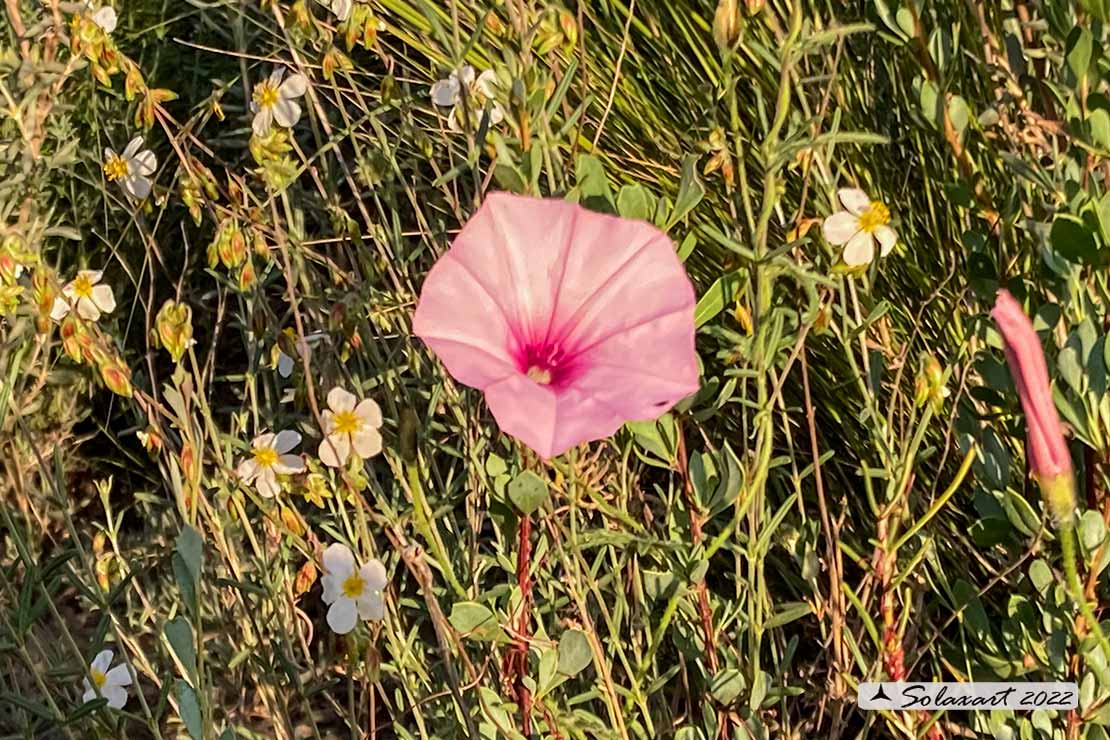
(540, 374)
(116, 168)
(82, 287)
(546, 364)
(265, 94)
(99, 679)
(266, 456)
(876, 215)
(353, 586)
(347, 422)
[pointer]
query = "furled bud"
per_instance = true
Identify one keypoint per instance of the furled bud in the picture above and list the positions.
(117, 376)
(727, 24)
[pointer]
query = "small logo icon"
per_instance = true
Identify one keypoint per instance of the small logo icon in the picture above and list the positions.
(880, 695)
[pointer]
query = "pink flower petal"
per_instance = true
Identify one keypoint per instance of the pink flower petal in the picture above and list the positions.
(572, 322)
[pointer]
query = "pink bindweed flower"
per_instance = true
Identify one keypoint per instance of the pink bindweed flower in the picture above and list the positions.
(1048, 451)
(571, 322)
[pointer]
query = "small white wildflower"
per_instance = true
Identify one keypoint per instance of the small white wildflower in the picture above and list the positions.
(112, 682)
(274, 100)
(349, 424)
(105, 17)
(859, 226)
(449, 92)
(354, 593)
(269, 459)
(84, 295)
(131, 169)
(341, 8)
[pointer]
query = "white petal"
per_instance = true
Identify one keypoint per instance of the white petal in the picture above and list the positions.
(496, 114)
(294, 87)
(87, 310)
(333, 586)
(284, 365)
(116, 696)
(276, 75)
(342, 9)
(374, 574)
(887, 237)
(487, 83)
(372, 606)
(247, 470)
(266, 439)
(342, 616)
(102, 660)
(465, 75)
(103, 298)
(263, 120)
(859, 250)
(840, 227)
(334, 450)
(341, 400)
(445, 92)
(370, 413)
(59, 310)
(93, 276)
(367, 442)
(289, 464)
(854, 199)
(108, 153)
(338, 560)
(89, 694)
(105, 18)
(266, 483)
(133, 147)
(144, 163)
(137, 186)
(286, 441)
(287, 113)
(118, 676)
(329, 422)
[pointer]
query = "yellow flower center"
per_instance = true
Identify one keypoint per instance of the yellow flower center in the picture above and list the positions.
(540, 375)
(876, 215)
(347, 422)
(98, 678)
(266, 456)
(82, 287)
(115, 168)
(353, 586)
(265, 94)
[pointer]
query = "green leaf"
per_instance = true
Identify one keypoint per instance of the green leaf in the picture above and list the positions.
(635, 202)
(1080, 48)
(1071, 238)
(474, 621)
(189, 709)
(188, 561)
(690, 191)
(592, 184)
(180, 636)
(528, 491)
(959, 113)
(1070, 365)
(1040, 575)
(721, 293)
(927, 96)
(727, 685)
(1092, 530)
(1099, 123)
(574, 652)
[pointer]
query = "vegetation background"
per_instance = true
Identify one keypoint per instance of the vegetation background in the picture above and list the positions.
(845, 499)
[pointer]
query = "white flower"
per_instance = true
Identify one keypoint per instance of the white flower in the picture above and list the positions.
(341, 8)
(353, 592)
(269, 459)
(132, 169)
(105, 17)
(864, 222)
(110, 681)
(274, 100)
(83, 294)
(283, 363)
(449, 92)
(349, 424)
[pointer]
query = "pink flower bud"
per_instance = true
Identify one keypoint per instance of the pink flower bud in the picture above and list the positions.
(1048, 451)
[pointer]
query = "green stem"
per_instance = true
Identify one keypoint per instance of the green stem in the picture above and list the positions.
(1071, 571)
